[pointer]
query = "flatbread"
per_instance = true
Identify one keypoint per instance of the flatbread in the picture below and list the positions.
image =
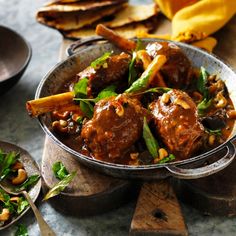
(79, 6)
(132, 13)
(127, 31)
(75, 20)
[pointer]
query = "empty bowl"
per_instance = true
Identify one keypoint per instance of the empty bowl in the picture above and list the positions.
(15, 54)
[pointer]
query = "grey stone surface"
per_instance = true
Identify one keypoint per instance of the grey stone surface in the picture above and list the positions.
(18, 128)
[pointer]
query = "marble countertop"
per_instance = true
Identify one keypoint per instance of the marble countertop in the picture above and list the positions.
(16, 127)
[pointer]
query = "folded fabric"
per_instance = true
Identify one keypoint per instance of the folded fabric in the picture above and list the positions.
(207, 44)
(201, 19)
(170, 7)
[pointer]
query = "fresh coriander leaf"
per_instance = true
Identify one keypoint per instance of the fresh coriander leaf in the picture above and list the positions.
(80, 88)
(139, 45)
(22, 204)
(21, 230)
(5, 198)
(8, 161)
(59, 170)
(204, 105)
(30, 181)
(171, 157)
(149, 139)
(202, 81)
(96, 64)
(106, 93)
(154, 90)
(60, 186)
(214, 132)
(132, 72)
(87, 108)
(2, 156)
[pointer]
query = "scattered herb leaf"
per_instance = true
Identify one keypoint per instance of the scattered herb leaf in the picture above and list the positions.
(106, 93)
(87, 108)
(139, 45)
(204, 105)
(132, 72)
(31, 180)
(154, 90)
(80, 88)
(21, 230)
(59, 170)
(60, 186)
(149, 139)
(22, 204)
(9, 159)
(169, 158)
(202, 81)
(96, 64)
(214, 132)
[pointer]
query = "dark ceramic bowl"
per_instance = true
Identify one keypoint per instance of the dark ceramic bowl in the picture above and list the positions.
(194, 167)
(15, 54)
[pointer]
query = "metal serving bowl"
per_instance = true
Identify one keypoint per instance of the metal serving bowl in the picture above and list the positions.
(195, 167)
(15, 54)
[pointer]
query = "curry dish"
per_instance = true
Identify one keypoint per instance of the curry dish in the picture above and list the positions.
(143, 106)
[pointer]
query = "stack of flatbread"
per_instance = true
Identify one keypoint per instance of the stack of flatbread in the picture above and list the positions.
(78, 18)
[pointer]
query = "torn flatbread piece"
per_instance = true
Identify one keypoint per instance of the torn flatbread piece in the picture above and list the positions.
(79, 6)
(75, 20)
(132, 13)
(127, 31)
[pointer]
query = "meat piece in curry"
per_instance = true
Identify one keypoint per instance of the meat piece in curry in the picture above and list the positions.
(176, 122)
(116, 125)
(113, 71)
(177, 70)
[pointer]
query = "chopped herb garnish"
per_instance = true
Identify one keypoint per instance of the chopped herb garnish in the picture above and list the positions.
(96, 64)
(132, 72)
(217, 132)
(169, 158)
(80, 88)
(60, 186)
(202, 81)
(31, 181)
(8, 160)
(22, 204)
(204, 105)
(151, 142)
(21, 230)
(106, 93)
(59, 170)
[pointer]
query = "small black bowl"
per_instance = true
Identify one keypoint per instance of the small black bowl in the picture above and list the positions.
(15, 54)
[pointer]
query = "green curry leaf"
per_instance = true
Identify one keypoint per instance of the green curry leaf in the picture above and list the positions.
(60, 186)
(132, 72)
(96, 64)
(151, 142)
(106, 93)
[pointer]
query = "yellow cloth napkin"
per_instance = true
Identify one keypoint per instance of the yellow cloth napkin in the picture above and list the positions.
(193, 21)
(201, 19)
(170, 7)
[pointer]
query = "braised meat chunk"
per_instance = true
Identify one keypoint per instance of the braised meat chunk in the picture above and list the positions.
(177, 70)
(113, 70)
(116, 125)
(176, 122)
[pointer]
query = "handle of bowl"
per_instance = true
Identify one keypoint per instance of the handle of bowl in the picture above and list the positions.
(204, 171)
(74, 47)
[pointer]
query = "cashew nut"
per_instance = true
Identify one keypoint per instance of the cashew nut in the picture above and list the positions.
(5, 214)
(14, 199)
(165, 98)
(182, 103)
(221, 101)
(18, 165)
(61, 115)
(59, 127)
(20, 178)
